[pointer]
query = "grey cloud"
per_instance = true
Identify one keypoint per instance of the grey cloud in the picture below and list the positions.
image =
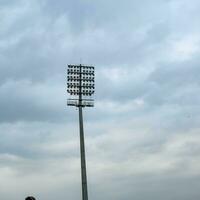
(38, 140)
(18, 102)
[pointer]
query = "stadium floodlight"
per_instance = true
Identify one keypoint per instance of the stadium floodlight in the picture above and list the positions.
(81, 85)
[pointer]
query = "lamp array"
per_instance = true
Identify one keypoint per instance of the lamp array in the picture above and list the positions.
(80, 80)
(83, 92)
(77, 85)
(77, 78)
(80, 69)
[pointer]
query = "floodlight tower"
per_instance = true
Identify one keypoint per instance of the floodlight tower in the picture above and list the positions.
(80, 85)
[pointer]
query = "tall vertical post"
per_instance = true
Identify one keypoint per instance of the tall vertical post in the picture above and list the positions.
(82, 142)
(81, 83)
(83, 162)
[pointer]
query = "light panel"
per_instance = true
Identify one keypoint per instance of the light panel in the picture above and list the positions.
(80, 81)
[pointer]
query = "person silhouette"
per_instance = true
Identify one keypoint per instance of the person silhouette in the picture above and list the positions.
(30, 198)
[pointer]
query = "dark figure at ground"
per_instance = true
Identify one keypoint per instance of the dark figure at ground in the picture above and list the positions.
(30, 198)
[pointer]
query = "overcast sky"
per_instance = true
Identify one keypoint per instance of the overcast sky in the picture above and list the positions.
(142, 136)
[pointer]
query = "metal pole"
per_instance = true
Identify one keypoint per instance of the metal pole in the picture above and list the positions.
(83, 162)
(82, 145)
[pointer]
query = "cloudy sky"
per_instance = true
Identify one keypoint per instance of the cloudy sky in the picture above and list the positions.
(142, 136)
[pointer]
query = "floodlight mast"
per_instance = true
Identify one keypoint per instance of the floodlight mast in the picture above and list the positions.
(81, 83)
